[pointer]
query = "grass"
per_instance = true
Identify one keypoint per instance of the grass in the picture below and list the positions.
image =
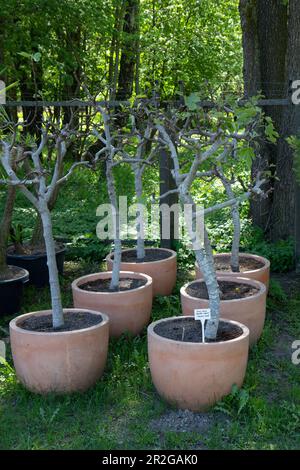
(120, 411)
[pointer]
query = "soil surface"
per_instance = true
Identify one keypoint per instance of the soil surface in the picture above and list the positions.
(189, 330)
(29, 250)
(73, 321)
(103, 285)
(222, 263)
(11, 273)
(228, 290)
(151, 254)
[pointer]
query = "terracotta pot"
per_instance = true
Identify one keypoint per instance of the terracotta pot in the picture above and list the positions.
(127, 311)
(60, 362)
(196, 375)
(163, 272)
(262, 274)
(251, 311)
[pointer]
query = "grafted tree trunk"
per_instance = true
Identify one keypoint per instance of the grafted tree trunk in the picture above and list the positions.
(129, 50)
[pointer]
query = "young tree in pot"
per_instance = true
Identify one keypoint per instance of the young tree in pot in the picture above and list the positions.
(125, 296)
(248, 265)
(38, 339)
(222, 358)
(31, 254)
(159, 263)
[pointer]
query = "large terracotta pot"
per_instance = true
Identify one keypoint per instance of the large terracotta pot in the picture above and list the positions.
(262, 274)
(196, 375)
(128, 311)
(163, 272)
(251, 311)
(60, 362)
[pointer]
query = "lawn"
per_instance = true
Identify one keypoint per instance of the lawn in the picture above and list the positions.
(123, 410)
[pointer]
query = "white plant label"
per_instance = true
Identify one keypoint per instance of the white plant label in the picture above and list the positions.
(202, 314)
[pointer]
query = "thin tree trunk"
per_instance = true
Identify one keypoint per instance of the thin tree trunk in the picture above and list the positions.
(115, 279)
(205, 260)
(236, 221)
(140, 245)
(57, 310)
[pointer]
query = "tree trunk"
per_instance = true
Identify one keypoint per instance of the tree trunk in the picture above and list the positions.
(57, 310)
(264, 26)
(282, 221)
(205, 261)
(129, 50)
(115, 278)
(140, 244)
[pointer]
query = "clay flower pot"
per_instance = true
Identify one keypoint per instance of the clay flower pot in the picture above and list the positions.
(128, 311)
(251, 311)
(163, 272)
(261, 274)
(60, 362)
(195, 375)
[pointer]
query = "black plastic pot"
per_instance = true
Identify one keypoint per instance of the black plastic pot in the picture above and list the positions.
(11, 292)
(37, 266)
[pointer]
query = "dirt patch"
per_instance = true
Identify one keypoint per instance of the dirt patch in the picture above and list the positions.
(290, 282)
(11, 273)
(103, 285)
(183, 421)
(222, 263)
(228, 290)
(189, 331)
(151, 254)
(73, 321)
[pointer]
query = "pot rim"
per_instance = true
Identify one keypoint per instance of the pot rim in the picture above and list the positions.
(266, 262)
(75, 285)
(63, 249)
(244, 328)
(173, 255)
(13, 324)
(239, 280)
(24, 276)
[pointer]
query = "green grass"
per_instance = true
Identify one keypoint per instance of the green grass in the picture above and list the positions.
(117, 413)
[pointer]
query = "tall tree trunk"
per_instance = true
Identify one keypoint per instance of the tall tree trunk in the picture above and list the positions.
(264, 26)
(129, 50)
(282, 221)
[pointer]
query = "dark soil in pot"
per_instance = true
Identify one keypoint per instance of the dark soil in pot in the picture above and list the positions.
(73, 321)
(228, 290)
(103, 285)
(35, 261)
(151, 254)
(222, 263)
(189, 330)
